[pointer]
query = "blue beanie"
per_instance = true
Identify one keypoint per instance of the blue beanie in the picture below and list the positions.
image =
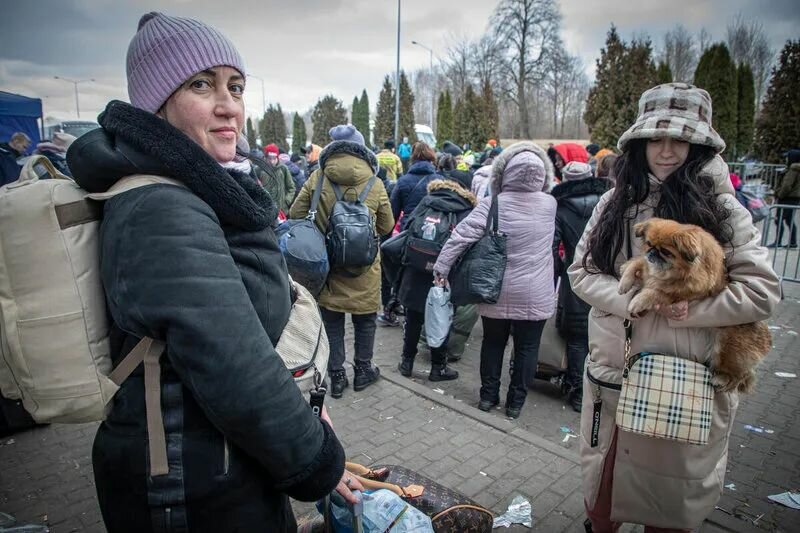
(346, 132)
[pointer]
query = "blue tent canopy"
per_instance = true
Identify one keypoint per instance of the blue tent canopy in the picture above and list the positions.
(19, 113)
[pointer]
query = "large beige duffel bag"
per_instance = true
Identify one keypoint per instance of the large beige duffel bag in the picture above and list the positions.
(54, 350)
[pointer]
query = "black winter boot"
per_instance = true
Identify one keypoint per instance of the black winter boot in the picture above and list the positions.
(365, 375)
(338, 382)
(406, 366)
(442, 373)
(575, 399)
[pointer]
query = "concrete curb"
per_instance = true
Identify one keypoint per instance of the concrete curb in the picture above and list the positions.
(505, 425)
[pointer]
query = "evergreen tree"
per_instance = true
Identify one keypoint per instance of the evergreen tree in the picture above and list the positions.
(663, 73)
(250, 132)
(444, 118)
(778, 126)
(299, 136)
(474, 126)
(360, 117)
(384, 116)
(328, 112)
(624, 72)
(460, 122)
(273, 128)
(407, 121)
(364, 126)
(716, 73)
(355, 109)
(490, 118)
(745, 115)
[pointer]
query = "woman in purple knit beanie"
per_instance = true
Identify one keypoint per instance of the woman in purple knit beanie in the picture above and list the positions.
(193, 261)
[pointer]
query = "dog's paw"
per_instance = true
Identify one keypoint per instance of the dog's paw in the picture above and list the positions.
(748, 383)
(726, 382)
(722, 382)
(639, 306)
(626, 284)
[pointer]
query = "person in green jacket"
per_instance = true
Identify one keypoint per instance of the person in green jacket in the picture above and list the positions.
(350, 164)
(276, 179)
(788, 193)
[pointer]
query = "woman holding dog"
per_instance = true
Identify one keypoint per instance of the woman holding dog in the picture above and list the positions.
(669, 168)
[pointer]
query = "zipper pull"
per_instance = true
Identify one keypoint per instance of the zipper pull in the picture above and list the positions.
(317, 394)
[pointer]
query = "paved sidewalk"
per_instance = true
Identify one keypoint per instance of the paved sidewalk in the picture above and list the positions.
(46, 475)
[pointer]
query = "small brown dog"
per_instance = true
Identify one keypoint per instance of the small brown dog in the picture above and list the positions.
(685, 262)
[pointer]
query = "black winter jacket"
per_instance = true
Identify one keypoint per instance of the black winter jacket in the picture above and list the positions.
(199, 268)
(576, 201)
(411, 188)
(446, 196)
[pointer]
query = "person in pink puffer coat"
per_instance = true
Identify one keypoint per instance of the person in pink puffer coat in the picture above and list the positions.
(527, 299)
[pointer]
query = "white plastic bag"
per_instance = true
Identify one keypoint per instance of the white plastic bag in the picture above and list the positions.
(438, 316)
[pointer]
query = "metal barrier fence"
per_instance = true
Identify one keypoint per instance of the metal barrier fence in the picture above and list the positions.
(767, 174)
(784, 246)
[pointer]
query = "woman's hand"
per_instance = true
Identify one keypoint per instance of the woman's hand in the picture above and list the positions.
(439, 281)
(347, 485)
(677, 311)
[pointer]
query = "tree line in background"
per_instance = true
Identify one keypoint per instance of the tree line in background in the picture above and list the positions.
(735, 73)
(517, 80)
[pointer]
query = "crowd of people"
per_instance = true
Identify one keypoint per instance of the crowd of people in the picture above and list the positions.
(198, 265)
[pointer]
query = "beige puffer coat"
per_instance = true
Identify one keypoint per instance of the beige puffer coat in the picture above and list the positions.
(659, 482)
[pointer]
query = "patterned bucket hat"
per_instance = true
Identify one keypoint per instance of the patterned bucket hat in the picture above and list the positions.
(677, 110)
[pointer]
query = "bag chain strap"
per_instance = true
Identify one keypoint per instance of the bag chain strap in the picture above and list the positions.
(628, 334)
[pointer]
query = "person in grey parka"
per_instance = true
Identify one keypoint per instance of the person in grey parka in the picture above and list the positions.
(527, 217)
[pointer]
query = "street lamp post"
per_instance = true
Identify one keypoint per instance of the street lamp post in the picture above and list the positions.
(397, 80)
(263, 93)
(433, 96)
(75, 83)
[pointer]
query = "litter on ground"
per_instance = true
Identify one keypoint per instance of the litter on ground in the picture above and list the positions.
(789, 499)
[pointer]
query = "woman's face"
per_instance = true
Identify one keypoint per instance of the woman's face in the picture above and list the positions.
(665, 156)
(209, 109)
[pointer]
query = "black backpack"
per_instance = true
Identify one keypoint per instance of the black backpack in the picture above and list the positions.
(427, 233)
(352, 240)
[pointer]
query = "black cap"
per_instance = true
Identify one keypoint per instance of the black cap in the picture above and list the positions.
(451, 148)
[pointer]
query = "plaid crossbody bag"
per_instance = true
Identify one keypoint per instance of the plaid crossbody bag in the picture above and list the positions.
(664, 396)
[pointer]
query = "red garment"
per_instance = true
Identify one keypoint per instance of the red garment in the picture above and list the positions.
(736, 181)
(570, 152)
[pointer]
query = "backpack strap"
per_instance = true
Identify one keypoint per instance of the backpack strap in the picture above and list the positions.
(361, 197)
(134, 181)
(148, 351)
(367, 189)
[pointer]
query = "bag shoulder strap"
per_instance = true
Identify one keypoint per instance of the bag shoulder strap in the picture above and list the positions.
(492, 219)
(312, 211)
(134, 181)
(148, 351)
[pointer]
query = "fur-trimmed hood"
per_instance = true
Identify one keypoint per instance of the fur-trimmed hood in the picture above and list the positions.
(454, 186)
(501, 162)
(349, 148)
(134, 141)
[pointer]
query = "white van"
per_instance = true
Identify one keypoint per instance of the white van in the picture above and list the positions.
(425, 134)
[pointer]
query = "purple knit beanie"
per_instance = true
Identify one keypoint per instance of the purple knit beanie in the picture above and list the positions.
(166, 51)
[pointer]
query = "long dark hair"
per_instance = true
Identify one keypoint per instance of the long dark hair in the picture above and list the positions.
(686, 196)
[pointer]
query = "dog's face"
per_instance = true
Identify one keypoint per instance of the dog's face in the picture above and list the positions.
(672, 249)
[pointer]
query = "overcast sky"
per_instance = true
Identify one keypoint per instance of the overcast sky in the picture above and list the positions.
(304, 49)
